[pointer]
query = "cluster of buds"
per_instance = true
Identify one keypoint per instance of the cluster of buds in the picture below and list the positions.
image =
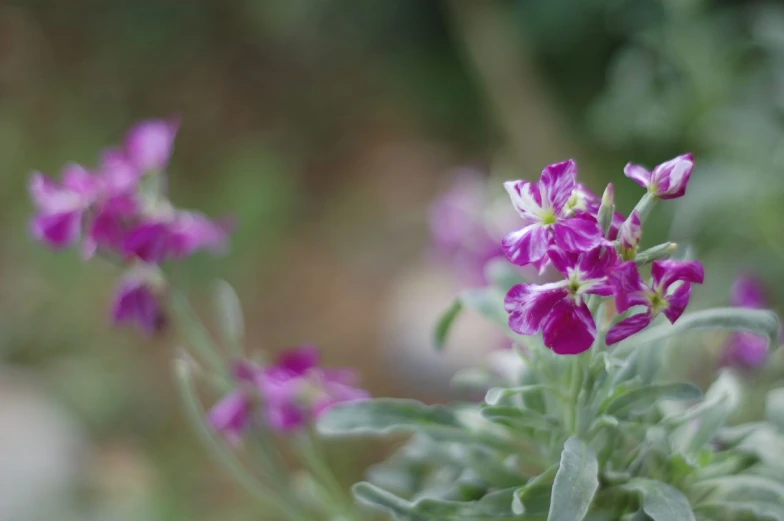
(596, 250)
(120, 211)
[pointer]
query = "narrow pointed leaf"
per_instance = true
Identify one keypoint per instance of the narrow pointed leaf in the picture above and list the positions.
(445, 323)
(638, 401)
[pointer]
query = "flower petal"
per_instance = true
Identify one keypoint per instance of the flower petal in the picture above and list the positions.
(638, 173)
(526, 199)
(526, 246)
(579, 233)
(529, 304)
(597, 261)
(629, 287)
(557, 184)
(665, 272)
(149, 241)
(148, 145)
(58, 230)
(231, 415)
(569, 328)
(135, 301)
(298, 360)
(630, 231)
(670, 179)
(677, 301)
(628, 327)
(746, 350)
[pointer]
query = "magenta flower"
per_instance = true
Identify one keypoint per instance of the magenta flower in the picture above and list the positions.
(745, 349)
(174, 237)
(138, 300)
(629, 236)
(558, 309)
(62, 207)
(231, 416)
(149, 144)
(668, 180)
(548, 218)
(297, 390)
(584, 200)
(669, 294)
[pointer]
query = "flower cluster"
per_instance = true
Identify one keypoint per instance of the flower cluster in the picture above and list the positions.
(562, 228)
(120, 210)
(295, 390)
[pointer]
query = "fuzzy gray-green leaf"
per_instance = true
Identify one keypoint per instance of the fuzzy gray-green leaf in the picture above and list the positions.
(661, 501)
(575, 482)
(444, 324)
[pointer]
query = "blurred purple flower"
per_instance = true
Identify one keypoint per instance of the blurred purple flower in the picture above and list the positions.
(297, 389)
(460, 233)
(745, 349)
(149, 144)
(62, 207)
(177, 237)
(231, 416)
(138, 300)
(668, 180)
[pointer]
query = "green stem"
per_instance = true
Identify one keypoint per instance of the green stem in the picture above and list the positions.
(198, 338)
(224, 455)
(644, 206)
(312, 458)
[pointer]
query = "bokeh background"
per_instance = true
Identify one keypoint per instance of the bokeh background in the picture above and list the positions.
(327, 129)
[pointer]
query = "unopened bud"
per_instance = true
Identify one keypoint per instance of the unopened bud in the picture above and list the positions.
(607, 209)
(662, 251)
(608, 197)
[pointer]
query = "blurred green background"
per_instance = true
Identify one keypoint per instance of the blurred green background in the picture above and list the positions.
(326, 128)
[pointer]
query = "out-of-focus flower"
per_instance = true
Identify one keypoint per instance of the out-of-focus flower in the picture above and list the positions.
(558, 309)
(669, 293)
(549, 218)
(462, 237)
(232, 415)
(138, 300)
(745, 349)
(175, 237)
(668, 180)
(149, 144)
(62, 207)
(297, 390)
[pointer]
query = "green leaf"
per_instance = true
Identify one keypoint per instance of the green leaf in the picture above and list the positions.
(638, 401)
(488, 302)
(575, 483)
(759, 321)
(516, 417)
(380, 499)
(660, 501)
(742, 510)
(230, 317)
(743, 487)
(498, 395)
(384, 416)
(496, 505)
(491, 470)
(774, 408)
(720, 401)
(444, 323)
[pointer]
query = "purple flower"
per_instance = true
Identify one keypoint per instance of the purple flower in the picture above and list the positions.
(459, 228)
(297, 389)
(149, 144)
(231, 416)
(745, 349)
(668, 180)
(175, 237)
(629, 236)
(549, 219)
(137, 300)
(61, 207)
(668, 294)
(584, 200)
(558, 309)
